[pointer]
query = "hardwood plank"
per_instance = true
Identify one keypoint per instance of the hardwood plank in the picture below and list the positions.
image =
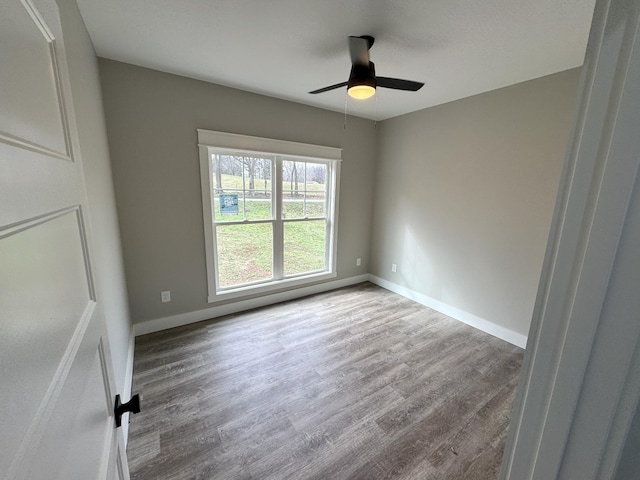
(358, 383)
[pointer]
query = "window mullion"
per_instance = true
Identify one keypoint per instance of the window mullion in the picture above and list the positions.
(278, 228)
(304, 192)
(244, 189)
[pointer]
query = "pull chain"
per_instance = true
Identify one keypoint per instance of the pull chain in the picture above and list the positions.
(375, 119)
(346, 97)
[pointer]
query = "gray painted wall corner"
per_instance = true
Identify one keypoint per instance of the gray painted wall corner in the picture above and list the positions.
(465, 194)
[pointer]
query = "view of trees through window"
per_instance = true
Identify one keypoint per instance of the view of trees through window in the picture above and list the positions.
(265, 231)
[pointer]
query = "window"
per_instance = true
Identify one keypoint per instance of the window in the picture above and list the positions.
(269, 212)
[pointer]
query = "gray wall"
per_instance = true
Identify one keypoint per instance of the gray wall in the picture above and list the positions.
(108, 265)
(465, 193)
(152, 119)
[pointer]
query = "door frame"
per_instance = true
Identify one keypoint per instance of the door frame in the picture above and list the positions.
(580, 380)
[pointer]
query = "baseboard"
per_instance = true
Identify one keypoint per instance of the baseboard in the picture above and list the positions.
(172, 321)
(481, 324)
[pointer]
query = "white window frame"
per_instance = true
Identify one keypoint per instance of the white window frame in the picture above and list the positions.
(210, 142)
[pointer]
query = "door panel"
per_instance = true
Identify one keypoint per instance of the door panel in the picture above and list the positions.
(33, 113)
(45, 298)
(81, 417)
(55, 363)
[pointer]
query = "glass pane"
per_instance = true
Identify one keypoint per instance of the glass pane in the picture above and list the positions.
(241, 187)
(316, 194)
(304, 186)
(292, 207)
(257, 176)
(244, 253)
(227, 171)
(304, 246)
(293, 189)
(315, 204)
(317, 175)
(258, 208)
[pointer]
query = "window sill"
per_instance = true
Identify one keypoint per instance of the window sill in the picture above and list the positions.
(255, 290)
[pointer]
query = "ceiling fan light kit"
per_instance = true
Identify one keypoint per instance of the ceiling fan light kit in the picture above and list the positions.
(361, 92)
(363, 82)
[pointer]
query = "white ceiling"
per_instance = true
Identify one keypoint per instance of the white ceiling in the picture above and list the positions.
(285, 48)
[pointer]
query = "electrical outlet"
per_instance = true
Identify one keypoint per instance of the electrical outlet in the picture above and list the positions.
(358, 262)
(165, 296)
(394, 267)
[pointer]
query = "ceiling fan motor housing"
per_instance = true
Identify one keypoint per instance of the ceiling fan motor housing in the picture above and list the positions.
(362, 75)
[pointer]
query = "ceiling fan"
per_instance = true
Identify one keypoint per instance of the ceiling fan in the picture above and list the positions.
(362, 81)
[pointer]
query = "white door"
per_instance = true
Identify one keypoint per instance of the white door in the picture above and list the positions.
(56, 385)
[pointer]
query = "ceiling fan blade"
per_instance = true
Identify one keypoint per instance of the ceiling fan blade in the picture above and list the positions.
(332, 87)
(399, 84)
(359, 49)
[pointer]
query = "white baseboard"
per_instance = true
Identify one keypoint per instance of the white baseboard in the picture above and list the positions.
(486, 326)
(172, 321)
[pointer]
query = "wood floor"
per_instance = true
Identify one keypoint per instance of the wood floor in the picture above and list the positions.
(358, 383)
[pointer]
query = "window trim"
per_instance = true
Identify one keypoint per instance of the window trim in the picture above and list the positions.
(210, 141)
